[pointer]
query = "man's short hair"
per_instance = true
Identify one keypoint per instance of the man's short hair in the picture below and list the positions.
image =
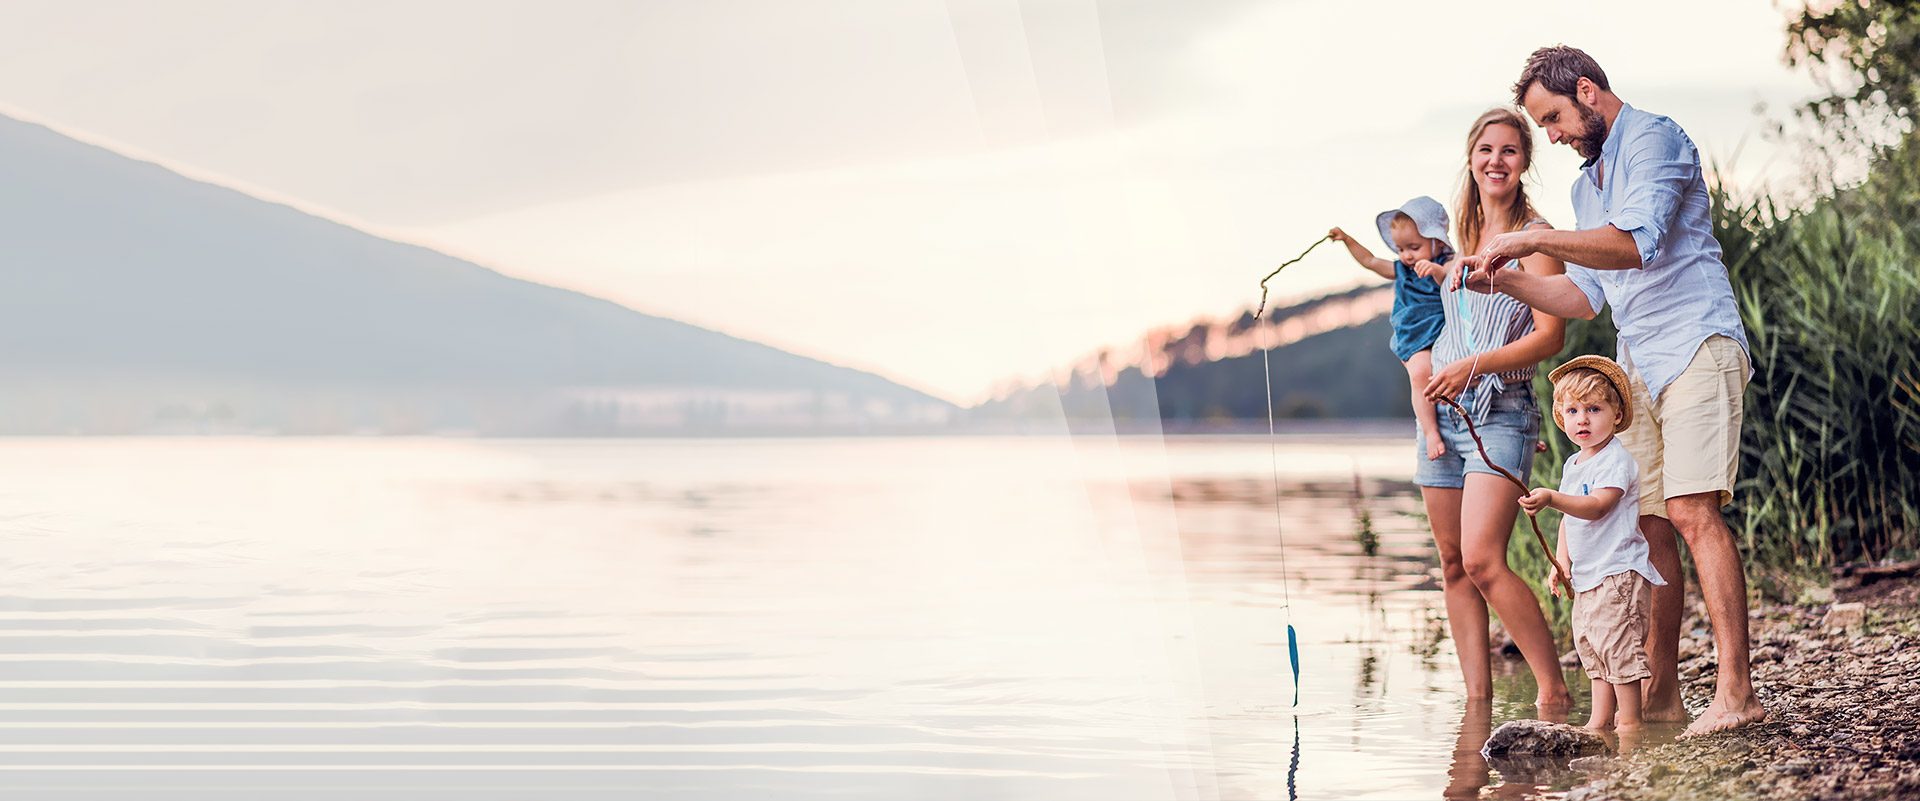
(1558, 69)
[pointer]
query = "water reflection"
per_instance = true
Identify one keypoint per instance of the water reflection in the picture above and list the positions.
(879, 619)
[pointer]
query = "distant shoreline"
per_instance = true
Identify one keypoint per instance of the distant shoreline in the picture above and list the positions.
(1294, 430)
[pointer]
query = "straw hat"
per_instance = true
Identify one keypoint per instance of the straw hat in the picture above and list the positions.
(1606, 367)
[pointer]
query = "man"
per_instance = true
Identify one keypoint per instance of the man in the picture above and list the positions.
(1645, 245)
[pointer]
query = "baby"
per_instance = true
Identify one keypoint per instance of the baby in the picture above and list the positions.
(1417, 232)
(1613, 579)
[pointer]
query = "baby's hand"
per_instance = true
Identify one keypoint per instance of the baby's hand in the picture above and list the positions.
(1427, 269)
(1536, 500)
(1339, 235)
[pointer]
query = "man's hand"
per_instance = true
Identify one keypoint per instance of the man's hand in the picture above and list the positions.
(1472, 272)
(1511, 246)
(1536, 500)
(1476, 272)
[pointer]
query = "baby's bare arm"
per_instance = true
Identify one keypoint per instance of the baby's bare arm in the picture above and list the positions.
(1365, 257)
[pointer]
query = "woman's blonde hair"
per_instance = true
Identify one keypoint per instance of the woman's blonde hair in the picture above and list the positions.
(1467, 212)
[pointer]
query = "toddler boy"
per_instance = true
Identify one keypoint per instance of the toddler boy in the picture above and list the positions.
(1612, 577)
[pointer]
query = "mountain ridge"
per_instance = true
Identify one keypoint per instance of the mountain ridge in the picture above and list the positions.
(120, 271)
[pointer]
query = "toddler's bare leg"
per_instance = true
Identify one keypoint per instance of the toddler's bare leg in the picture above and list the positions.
(1629, 697)
(1419, 372)
(1603, 705)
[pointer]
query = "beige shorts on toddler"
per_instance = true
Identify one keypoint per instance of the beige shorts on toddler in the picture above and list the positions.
(1610, 628)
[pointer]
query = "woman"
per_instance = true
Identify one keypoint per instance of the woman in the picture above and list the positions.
(1489, 347)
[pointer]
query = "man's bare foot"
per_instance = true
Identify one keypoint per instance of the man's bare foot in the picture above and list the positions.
(1666, 711)
(1721, 718)
(1436, 447)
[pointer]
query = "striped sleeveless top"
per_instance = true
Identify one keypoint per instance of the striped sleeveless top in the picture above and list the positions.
(1477, 323)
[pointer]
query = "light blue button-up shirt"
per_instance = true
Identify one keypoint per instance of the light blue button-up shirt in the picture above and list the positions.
(1653, 189)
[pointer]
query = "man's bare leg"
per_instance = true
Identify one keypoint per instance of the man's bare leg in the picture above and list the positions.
(1723, 581)
(1662, 692)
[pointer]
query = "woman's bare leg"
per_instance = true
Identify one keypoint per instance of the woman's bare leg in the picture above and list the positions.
(1466, 609)
(1487, 510)
(1419, 372)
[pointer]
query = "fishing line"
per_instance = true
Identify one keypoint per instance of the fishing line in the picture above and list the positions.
(1273, 454)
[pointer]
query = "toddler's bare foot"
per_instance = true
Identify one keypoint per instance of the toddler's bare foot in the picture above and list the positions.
(1436, 447)
(1597, 724)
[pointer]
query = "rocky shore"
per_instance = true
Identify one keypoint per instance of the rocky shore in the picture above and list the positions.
(1840, 675)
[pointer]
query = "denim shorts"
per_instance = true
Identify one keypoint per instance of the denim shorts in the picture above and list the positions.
(1510, 432)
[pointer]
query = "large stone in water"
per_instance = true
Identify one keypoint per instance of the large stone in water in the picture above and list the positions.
(1541, 737)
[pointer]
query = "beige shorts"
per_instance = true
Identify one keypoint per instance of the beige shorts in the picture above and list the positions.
(1610, 628)
(1689, 441)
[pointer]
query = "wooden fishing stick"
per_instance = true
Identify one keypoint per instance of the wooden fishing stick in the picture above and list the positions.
(1564, 579)
(1276, 271)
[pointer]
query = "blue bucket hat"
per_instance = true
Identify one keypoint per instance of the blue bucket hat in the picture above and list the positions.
(1429, 218)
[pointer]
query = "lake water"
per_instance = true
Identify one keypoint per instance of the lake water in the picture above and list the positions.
(928, 618)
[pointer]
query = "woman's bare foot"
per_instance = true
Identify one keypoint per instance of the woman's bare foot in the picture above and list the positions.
(1436, 447)
(1720, 717)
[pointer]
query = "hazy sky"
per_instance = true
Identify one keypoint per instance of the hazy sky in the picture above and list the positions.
(949, 194)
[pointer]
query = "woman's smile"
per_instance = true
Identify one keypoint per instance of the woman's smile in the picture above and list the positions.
(1495, 159)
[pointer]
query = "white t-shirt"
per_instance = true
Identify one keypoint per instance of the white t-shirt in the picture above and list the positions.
(1612, 544)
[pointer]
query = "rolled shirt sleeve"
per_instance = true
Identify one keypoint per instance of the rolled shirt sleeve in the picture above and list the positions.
(1659, 163)
(1589, 284)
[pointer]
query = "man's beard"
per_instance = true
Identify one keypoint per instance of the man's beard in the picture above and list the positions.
(1594, 137)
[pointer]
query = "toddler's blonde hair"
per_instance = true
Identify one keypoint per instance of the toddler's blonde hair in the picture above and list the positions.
(1585, 384)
